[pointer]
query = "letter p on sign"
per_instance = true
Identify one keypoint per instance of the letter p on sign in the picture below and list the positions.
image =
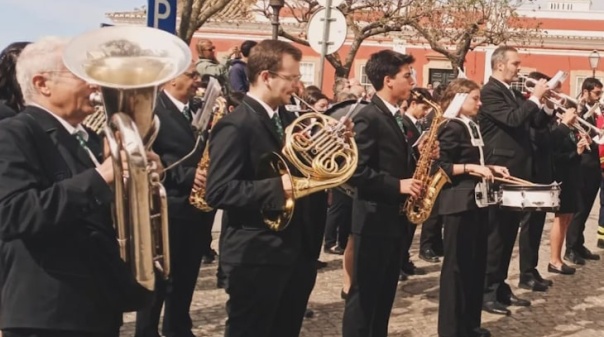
(161, 14)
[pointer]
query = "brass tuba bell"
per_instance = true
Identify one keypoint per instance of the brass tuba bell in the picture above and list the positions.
(320, 155)
(129, 63)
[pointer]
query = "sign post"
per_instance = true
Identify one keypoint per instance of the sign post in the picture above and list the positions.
(161, 14)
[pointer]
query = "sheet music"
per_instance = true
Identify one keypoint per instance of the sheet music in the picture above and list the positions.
(453, 109)
(213, 91)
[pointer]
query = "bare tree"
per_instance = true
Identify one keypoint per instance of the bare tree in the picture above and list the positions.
(194, 13)
(365, 18)
(456, 27)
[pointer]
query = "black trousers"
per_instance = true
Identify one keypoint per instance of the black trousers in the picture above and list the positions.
(187, 245)
(407, 242)
(503, 228)
(268, 300)
(431, 236)
(463, 273)
(375, 274)
(531, 230)
(589, 184)
(339, 219)
(53, 333)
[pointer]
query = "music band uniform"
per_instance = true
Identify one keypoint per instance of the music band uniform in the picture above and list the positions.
(189, 228)
(269, 274)
(566, 165)
(465, 235)
(505, 119)
(58, 247)
(377, 227)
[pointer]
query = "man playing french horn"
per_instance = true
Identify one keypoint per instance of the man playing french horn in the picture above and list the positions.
(270, 270)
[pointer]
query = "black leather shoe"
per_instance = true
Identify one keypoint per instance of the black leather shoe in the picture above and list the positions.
(538, 277)
(601, 243)
(408, 268)
(515, 301)
(343, 294)
(564, 270)
(496, 308)
(530, 282)
(587, 254)
(573, 257)
(335, 250)
(429, 255)
(481, 332)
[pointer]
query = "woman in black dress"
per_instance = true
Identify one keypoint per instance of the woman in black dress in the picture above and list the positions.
(465, 223)
(568, 145)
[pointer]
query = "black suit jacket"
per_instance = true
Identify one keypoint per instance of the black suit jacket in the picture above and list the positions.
(59, 258)
(412, 133)
(590, 160)
(384, 159)
(456, 148)
(175, 140)
(505, 120)
(565, 157)
(6, 111)
(238, 143)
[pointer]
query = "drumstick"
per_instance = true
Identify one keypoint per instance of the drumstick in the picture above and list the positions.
(504, 180)
(522, 181)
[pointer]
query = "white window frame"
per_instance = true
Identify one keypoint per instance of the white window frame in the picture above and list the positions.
(363, 78)
(308, 76)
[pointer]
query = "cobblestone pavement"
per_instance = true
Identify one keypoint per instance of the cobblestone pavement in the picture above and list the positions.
(574, 306)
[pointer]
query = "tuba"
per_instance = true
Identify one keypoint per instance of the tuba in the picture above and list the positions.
(129, 63)
(418, 209)
(317, 149)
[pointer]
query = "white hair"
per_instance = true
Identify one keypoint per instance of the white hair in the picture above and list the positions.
(38, 57)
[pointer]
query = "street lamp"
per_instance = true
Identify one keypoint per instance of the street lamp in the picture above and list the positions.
(594, 59)
(276, 5)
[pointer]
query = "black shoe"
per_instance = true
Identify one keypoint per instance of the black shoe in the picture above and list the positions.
(601, 243)
(429, 255)
(336, 250)
(321, 264)
(209, 257)
(439, 252)
(587, 254)
(564, 270)
(343, 294)
(403, 277)
(530, 282)
(496, 308)
(538, 277)
(309, 313)
(481, 332)
(573, 257)
(408, 268)
(515, 301)
(221, 283)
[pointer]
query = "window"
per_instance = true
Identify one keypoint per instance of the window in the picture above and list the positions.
(307, 70)
(579, 82)
(439, 77)
(364, 79)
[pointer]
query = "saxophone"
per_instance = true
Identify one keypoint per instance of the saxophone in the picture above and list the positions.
(418, 208)
(197, 196)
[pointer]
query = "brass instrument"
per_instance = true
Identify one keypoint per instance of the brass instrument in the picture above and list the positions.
(197, 196)
(129, 63)
(316, 147)
(418, 208)
(97, 121)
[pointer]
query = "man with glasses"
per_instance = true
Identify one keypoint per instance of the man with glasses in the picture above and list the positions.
(270, 274)
(208, 64)
(190, 228)
(576, 252)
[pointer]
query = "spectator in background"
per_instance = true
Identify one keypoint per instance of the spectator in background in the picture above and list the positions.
(238, 77)
(209, 65)
(356, 88)
(316, 99)
(11, 98)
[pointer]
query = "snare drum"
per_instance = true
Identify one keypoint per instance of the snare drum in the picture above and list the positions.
(544, 198)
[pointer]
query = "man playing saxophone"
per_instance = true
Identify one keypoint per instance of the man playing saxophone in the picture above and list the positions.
(190, 228)
(61, 272)
(383, 180)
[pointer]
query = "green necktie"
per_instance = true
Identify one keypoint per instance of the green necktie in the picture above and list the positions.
(418, 125)
(474, 128)
(80, 138)
(278, 125)
(187, 113)
(399, 121)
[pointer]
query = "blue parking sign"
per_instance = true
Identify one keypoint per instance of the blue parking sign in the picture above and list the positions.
(161, 14)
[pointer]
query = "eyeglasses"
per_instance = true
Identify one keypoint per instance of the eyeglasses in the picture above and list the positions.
(290, 78)
(192, 74)
(209, 49)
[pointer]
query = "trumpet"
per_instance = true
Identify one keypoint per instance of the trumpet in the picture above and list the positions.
(584, 127)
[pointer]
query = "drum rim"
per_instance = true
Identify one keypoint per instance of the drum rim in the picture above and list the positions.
(509, 187)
